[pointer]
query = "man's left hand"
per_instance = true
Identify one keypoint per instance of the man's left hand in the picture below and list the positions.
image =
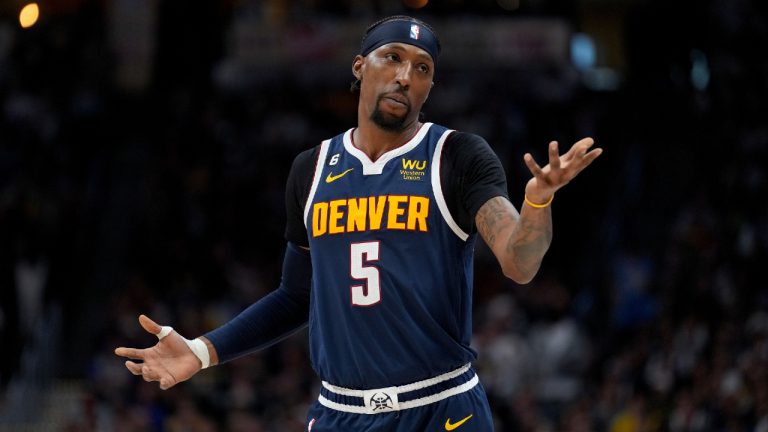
(560, 170)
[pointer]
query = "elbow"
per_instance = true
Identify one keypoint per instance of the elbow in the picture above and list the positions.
(518, 276)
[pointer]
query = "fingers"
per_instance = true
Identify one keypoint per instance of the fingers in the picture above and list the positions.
(149, 374)
(581, 151)
(133, 367)
(167, 382)
(131, 353)
(141, 369)
(149, 325)
(580, 156)
(577, 149)
(593, 155)
(554, 156)
(152, 370)
(588, 158)
(165, 379)
(562, 169)
(585, 143)
(584, 160)
(532, 165)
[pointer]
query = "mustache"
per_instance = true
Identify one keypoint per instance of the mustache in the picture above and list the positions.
(398, 95)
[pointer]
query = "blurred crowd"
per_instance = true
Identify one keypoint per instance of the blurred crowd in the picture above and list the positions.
(650, 312)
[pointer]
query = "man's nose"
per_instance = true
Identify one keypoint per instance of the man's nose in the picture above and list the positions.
(404, 75)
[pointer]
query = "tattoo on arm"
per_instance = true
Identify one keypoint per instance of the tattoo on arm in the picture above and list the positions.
(519, 242)
(494, 216)
(530, 240)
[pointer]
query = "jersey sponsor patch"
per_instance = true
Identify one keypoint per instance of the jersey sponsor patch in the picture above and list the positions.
(413, 170)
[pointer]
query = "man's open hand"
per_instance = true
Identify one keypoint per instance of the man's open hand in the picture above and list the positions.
(560, 170)
(169, 362)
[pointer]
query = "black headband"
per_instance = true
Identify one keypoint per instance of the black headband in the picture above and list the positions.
(401, 30)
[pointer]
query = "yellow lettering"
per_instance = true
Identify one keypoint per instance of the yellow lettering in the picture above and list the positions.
(335, 215)
(411, 164)
(376, 211)
(357, 210)
(361, 214)
(319, 219)
(395, 210)
(418, 210)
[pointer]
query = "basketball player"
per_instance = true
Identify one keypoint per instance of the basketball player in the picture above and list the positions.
(382, 222)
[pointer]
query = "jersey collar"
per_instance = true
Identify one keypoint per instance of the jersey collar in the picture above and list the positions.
(376, 168)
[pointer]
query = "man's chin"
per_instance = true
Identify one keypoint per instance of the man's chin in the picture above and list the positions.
(389, 122)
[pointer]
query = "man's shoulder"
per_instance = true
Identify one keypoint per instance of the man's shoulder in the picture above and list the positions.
(465, 138)
(304, 164)
(307, 156)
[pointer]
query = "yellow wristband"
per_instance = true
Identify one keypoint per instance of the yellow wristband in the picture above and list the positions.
(539, 206)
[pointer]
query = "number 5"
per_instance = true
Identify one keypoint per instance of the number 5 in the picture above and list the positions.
(370, 293)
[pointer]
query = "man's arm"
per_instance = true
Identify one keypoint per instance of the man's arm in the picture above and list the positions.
(285, 310)
(520, 240)
(269, 320)
(274, 317)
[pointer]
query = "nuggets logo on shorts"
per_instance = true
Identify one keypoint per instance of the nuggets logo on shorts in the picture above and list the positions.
(381, 401)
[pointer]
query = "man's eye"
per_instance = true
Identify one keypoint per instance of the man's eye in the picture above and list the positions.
(424, 68)
(392, 57)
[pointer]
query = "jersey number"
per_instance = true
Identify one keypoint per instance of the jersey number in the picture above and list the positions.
(369, 293)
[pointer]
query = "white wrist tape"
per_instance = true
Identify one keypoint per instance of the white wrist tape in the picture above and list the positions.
(200, 349)
(197, 346)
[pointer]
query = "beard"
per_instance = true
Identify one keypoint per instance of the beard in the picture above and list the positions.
(389, 122)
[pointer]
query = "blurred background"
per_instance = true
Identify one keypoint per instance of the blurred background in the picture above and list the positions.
(144, 147)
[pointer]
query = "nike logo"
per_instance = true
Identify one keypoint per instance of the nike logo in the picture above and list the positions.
(332, 178)
(451, 426)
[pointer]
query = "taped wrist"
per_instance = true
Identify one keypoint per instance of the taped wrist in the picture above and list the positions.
(197, 346)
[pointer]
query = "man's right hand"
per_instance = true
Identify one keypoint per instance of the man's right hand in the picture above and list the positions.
(169, 362)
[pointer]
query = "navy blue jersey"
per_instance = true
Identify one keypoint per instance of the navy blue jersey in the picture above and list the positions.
(392, 271)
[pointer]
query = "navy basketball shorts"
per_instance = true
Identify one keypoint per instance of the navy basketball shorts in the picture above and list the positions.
(455, 401)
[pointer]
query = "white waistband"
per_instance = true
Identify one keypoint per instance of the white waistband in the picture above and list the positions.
(418, 385)
(381, 400)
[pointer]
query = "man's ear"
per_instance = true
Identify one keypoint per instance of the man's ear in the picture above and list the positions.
(429, 92)
(358, 64)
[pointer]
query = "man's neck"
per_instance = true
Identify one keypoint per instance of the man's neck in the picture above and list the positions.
(375, 141)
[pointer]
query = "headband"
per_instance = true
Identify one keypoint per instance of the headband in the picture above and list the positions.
(404, 31)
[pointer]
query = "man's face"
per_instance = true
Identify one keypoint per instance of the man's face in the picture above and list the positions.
(395, 81)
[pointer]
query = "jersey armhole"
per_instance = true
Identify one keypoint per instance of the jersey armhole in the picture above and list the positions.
(316, 178)
(437, 188)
